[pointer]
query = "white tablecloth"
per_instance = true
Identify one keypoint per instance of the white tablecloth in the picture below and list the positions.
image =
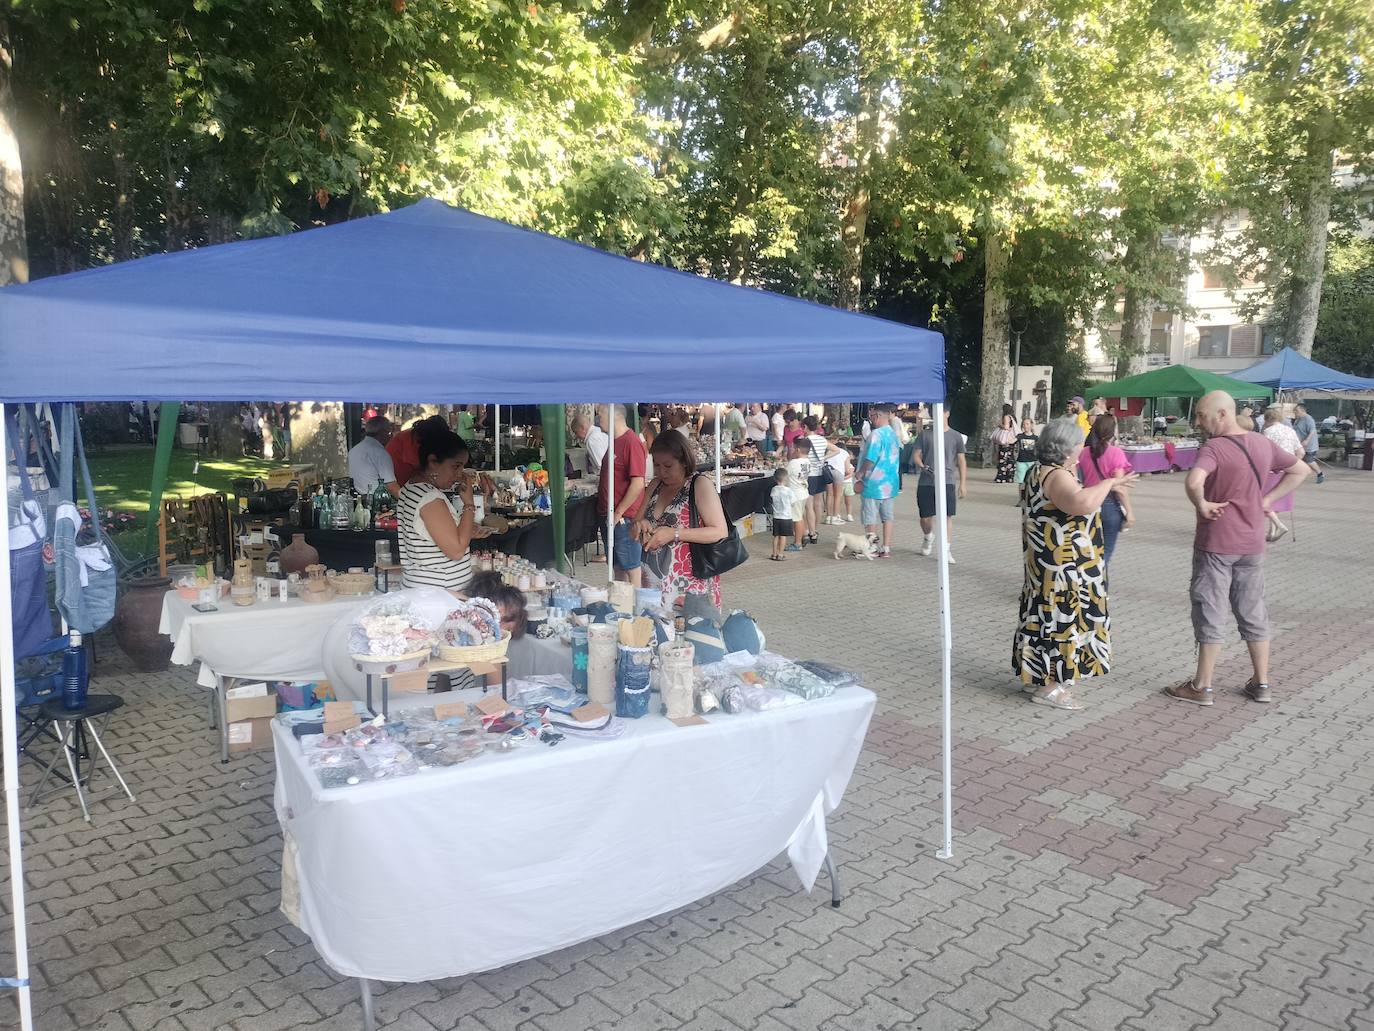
(517, 855)
(267, 640)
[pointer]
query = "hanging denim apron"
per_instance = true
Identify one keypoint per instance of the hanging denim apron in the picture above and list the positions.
(29, 617)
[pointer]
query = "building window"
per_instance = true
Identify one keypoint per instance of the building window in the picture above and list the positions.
(1161, 324)
(1269, 339)
(1212, 341)
(1213, 277)
(1245, 341)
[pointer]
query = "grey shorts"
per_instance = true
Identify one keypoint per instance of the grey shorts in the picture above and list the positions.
(1225, 586)
(876, 510)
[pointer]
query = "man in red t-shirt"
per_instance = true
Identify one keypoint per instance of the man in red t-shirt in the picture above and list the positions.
(631, 465)
(1226, 486)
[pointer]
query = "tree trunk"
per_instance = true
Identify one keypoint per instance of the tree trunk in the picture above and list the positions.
(1137, 319)
(746, 193)
(854, 219)
(1312, 205)
(14, 251)
(996, 344)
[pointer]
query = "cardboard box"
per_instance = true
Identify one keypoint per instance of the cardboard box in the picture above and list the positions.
(254, 735)
(249, 701)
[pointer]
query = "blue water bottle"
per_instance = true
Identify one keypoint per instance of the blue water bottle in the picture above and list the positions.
(74, 680)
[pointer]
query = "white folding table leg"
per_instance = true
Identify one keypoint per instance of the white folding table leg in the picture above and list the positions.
(223, 705)
(369, 1017)
(836, 892)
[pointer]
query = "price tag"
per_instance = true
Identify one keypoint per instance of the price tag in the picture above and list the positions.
(689, 721)
(590, 712)
(492, 705)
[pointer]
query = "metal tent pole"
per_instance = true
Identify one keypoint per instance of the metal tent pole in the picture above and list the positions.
(610, 493)
(498, 438)
(10, 730)
(717, 447)
(946, 633)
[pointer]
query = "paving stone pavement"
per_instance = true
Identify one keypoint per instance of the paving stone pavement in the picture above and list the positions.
(1141, 864)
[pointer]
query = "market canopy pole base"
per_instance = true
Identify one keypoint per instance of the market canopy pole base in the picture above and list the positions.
(10, 751)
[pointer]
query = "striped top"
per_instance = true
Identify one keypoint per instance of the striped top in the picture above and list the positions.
(819, 446)
(423, 563)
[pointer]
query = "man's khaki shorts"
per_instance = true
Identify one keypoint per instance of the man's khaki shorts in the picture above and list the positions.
(1225, 586)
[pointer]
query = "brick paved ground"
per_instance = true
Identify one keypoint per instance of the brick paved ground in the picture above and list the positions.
(1141, 864)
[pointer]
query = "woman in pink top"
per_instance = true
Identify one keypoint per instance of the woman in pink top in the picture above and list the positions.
(1101, 460)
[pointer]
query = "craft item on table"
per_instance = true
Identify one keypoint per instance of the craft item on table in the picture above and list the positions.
(601, 663)
(390, 637)
(633, 666)
(317, 585)
(264, 588)
(705, 636)
(553, 690)
(472, 632)
(740, 632)
(242, 588)
(647, 600)
(788, 676)
(538, 582)
(578, 636)
(835, 676)
(566, 599)
(761, 699)
(633, 631)
(676, 681)
(190, 587)
(622, 597)
(594, 594)
(354, 583)
(704, 699)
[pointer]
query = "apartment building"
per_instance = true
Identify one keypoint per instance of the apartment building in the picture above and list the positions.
(1215, 335)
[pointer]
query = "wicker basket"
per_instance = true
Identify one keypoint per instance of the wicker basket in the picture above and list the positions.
(381, 665)
(474, 652)
(353, 583)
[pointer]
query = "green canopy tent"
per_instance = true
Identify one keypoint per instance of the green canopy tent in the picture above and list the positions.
(1177, 381)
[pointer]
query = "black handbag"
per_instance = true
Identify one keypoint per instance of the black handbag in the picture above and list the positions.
(710, 560)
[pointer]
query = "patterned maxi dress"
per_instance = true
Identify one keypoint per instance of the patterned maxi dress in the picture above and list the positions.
(1065, 632)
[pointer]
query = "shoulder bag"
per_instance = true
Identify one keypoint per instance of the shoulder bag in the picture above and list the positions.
(86, 576)
(710, 560)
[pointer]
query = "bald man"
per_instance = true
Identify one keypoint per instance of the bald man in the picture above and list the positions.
(1226, 487)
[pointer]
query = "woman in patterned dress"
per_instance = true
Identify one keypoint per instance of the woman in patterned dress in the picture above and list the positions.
(1004, 438)
(665, 527)
(1065, 633)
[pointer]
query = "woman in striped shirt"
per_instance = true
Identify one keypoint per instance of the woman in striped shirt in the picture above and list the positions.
(434, 538)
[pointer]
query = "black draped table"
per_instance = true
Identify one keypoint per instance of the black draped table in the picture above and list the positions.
(344, 549)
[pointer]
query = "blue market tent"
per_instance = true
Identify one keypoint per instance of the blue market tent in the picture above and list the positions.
(1290, 371)
(436, 304)
(430, 303)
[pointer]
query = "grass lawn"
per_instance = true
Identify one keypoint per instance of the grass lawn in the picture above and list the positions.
(123, 480)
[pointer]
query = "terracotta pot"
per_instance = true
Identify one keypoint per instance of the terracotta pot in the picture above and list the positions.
(297, 555)
(135, 622)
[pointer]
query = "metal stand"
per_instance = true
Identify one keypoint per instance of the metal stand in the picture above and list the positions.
(222, 708)
(369, 1017)
(836, 892)
(74, 745)
(433, 667)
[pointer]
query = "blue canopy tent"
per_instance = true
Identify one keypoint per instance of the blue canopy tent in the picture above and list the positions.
(436, 304)
(1290, 372)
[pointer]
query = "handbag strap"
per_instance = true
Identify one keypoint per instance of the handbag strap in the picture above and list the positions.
(692, 502)
(1259, 480)
(72, 448)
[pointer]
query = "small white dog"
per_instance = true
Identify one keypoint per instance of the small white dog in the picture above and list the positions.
(861, 547)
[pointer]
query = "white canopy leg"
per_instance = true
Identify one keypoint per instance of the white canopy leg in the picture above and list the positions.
(9, 728)
(717, 447)
(610, 493)
(946, 633)
(498, 438)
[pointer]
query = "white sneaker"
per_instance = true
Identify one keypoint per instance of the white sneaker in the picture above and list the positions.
(848, 519)
(928, 545)
(949, 556)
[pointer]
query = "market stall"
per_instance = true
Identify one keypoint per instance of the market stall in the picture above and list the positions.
(502, 884)
(1163, 457)
(438, 304)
